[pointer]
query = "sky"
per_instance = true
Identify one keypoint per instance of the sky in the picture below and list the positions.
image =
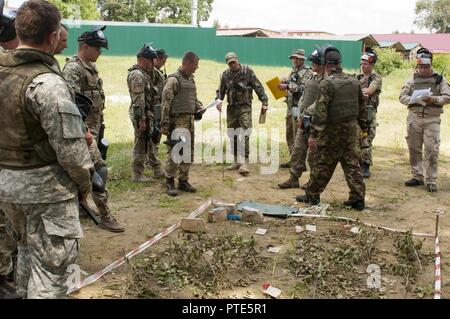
(335, 16)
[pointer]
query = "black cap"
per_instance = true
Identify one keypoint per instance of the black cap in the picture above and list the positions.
(95, 37)
(147, 52)
(315, 57)
(330, 55)
(7, 27)
(161, 53)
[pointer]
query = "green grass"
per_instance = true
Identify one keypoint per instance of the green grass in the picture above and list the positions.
(391, 116)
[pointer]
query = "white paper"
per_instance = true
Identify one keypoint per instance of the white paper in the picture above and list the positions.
(299, 229)
(275, 250)
(419, 95)
(261, 232)
(273, 292)
(311, 228)
(355, 230)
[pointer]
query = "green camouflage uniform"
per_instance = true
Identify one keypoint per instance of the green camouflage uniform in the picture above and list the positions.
(84, 79)
(336, 126)
(181, 118)
(296, 82)
(373, 81)
(238, 87)
(424, 126)
(140, 84)
(39, 191)
(301, 150)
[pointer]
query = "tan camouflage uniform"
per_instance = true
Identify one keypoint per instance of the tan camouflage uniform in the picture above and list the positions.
(140, 84)
(238, 87)
(172, 121)
(376, 82)
(42, 203)
(423, 125)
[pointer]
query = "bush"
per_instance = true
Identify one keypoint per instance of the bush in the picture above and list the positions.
(389, 60)
(441, 62)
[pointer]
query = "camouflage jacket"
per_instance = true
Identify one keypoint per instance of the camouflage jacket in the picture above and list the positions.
(49, 100)
(320, 116)
(296, 84)
(238, 87)
(373, 81)
(171, 89)
(140, 86)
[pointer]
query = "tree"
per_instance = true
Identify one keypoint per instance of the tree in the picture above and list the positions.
(433, 15)
(77, 9)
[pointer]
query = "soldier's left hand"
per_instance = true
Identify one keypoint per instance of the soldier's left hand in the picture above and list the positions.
(312, 143)
(283, 86)
(430, 100)
(89, 138)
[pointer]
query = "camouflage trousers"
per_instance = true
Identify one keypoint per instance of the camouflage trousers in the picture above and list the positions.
(143, 148)
(423, 143)
(47, 241)
(152, 155)
(291, 132)
(94, 122)
(240, 117)
(338, 143)
(173, 164)
(366, 145)
(300, 153)
(100, 199)
(7, 247)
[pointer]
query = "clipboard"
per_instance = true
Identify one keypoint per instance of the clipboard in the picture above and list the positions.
(273, 86)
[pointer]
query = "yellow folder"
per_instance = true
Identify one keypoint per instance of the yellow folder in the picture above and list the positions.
(273, 86)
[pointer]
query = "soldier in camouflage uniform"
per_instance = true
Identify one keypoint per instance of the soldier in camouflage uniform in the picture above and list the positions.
(237, 84)
(338, 118)
(44, 158)
(294, 86)
(306, 106)
(82, 75)
(371, 84)
(140, 85)
(159, 80)
(424, 121)
(180, 106)
(8, 246)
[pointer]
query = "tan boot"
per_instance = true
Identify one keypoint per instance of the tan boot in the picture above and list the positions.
(158, 172)
(292, 182)
(234, 167)
(243, 170)
(108, 222)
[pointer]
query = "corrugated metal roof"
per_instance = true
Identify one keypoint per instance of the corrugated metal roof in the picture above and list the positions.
(439, 42)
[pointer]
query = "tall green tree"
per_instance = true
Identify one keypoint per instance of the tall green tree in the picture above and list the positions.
(433, 15)
(77, 9)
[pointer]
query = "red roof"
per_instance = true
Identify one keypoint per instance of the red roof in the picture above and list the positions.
(438, 42)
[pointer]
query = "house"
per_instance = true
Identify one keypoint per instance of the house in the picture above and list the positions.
(435, 42)
(247, 32)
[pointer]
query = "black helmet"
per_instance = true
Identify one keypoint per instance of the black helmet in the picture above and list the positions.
(315, 57)
(7, 27)
(370, 56)
(95, 37)
(330, 55)
(161, 53)
(147, 52)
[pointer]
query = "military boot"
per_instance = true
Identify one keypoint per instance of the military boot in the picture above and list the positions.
(171, 189)
(359, 205)
(365, 170)
(158, 172)
(186, 187)
(432, 188)
(292, 182)
(243, 170)
(140, 178)
(108, 222)
(6, 290)
(414, 183)
(308, 199)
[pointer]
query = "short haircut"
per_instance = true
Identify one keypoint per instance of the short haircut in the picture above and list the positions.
(36, 20)
(190, 57)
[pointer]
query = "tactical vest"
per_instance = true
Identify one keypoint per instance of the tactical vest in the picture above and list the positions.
(23, 142)
(294, 97)
(238, 85)
(374, 99)
(345, 104)
(421, 83)
(310, 95)
(185, 101)
(91, 86)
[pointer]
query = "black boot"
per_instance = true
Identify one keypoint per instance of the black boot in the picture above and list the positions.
(185, 186)
(307, 199)
(6, 290)
(365, 170)
(171, 190)
(414, 183)
(359, 205)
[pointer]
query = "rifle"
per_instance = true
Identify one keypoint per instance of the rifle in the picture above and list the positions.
(90, 213)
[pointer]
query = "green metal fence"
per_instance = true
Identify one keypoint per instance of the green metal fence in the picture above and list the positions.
(127, 38)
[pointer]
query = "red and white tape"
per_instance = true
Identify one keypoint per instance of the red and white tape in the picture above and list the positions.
(438, 282)
(95, 277)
